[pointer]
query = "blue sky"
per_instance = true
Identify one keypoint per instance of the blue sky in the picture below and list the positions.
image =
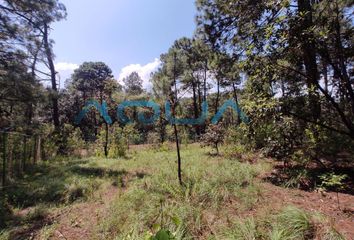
(128, 35)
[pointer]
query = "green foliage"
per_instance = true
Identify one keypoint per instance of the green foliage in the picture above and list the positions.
(117, 142)
(49, 145)
(80, 189)
(163, 147)
(132, 134)
(91, 77)
(133, 84)
(70, 139)
(323, 143)
(214, 136)
(54, 182)
(153, 138)
(163, 235)
(239, 150)
(37, 214)
(118, 148)
(297, 178)
(289, 60)
(332, 180)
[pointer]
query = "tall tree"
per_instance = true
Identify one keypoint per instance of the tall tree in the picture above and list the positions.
(34, 19)
(281, 43)
(133, 84)
(165, 84)
(93, 80)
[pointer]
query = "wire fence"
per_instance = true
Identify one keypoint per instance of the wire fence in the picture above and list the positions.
(19, 152)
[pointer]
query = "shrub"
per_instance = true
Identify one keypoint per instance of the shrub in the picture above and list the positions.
(214, 136)
(79, 189)
(117, 142)
(153, 138)
(50, 141)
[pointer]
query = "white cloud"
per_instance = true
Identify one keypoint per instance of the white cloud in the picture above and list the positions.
(63, 66)
(144, 72)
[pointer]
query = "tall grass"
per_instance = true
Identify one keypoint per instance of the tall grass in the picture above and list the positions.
(47, 186)
(291, 223)
(209, 183)
(217, 192)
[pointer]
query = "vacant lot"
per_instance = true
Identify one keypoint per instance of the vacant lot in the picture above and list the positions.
(137, 196)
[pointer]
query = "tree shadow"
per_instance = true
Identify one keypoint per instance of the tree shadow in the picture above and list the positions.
(141, 175)
(29, 230)
(97, 172)
(49, 184)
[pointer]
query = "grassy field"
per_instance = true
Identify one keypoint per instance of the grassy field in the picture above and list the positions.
(138, 196)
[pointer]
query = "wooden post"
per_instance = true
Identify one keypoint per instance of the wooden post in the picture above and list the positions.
(4, 160)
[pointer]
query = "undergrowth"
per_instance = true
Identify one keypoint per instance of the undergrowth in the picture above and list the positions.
(216, 192)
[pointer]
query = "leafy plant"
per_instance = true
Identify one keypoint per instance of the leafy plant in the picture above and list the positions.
(333, 181)
(163, 235)
(213, 136)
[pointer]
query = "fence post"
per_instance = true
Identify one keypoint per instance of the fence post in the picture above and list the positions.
(4, 159)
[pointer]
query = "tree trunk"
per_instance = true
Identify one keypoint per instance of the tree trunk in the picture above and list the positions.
(54, 94)
(195, 106)
(106, 141)
(236, 100)
(205, 80)
(217, 96)
(345, 77)
(178, 154)
(309, 56)
(174, 98)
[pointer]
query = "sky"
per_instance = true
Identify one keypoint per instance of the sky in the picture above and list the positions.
(128, 35)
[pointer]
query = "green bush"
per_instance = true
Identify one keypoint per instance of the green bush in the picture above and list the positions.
(214, 136)
(79, 189)
(117, 142)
